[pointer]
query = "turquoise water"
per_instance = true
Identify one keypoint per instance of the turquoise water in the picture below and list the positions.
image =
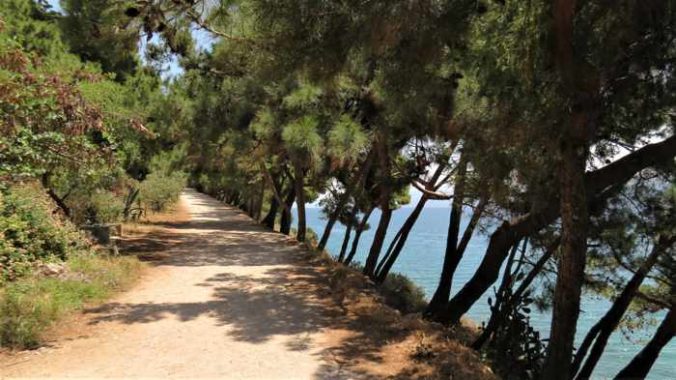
(422, 258)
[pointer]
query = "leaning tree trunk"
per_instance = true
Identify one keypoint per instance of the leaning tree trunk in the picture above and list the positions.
(378, 240)
(639, 367)
(346, 241)
(506, 235)
(515, 298)
(60, 201)
(451, 257)
(384, 203)
(129, 202)
(389, 251)
(342, 201)
(357, 236)
(602, 330)
(399, 242)
(285, 222)
(445, 283)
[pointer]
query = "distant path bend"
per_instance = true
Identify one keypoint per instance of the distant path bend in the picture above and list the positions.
(231, 300)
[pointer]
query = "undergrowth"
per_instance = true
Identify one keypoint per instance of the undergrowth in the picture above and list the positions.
(32, 304)
(34, 237)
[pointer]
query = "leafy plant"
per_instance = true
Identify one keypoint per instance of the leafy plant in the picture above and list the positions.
(403, 294)
(159, 190)
(30, 232)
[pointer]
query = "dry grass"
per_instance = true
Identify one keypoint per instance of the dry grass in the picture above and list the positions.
(154, 222)
(150, 238)
(379, 342)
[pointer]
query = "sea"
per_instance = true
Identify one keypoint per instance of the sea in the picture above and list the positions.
(421, 260)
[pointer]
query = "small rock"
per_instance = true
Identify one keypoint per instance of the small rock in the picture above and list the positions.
(51, 269)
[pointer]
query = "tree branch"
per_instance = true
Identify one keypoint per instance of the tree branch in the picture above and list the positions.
(429, 193)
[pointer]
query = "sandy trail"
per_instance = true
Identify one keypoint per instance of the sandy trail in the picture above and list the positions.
(230, 301)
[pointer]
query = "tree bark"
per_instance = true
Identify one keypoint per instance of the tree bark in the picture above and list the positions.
(451, 256)
(399, 242)
(259, 201)
(597, 183)
(346, 241)
(300, 202)
(640, 365)
(378, 240)
(129, 202)
(357, 236)
(358, 182)
(276, 201)
(578, 127)
(516, 297)
(602, 330)
(574, 220)
(384, 201)
(285, 222)
(269, 220)
(445, 283)
(60, 202)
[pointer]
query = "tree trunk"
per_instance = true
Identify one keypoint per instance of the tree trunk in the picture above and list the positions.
(602, 330)
(515, 298)
(574, 219)
(358, 182)
(383, 154)
(60, 202)
(269, 220)
(285, 222)
(390, 250)
(251, 206)
(578, 126)
(451, 257)
(357, 236)
(639, 367)
(276, 200)
(259, 201)
(378, 240)
(597, 182)
(129, 202)
(346, 241)
(393, 252)
(300, 202)
(397, 244)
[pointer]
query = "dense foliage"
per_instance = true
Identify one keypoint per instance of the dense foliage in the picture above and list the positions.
(30, 232)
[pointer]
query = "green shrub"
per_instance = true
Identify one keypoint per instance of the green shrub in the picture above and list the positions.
(160, 191)
(403, 294)
(30, 232)
(311, 237)
(32, 304)
(100, 206)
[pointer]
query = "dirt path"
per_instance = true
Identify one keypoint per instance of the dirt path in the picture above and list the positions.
(230, 301)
